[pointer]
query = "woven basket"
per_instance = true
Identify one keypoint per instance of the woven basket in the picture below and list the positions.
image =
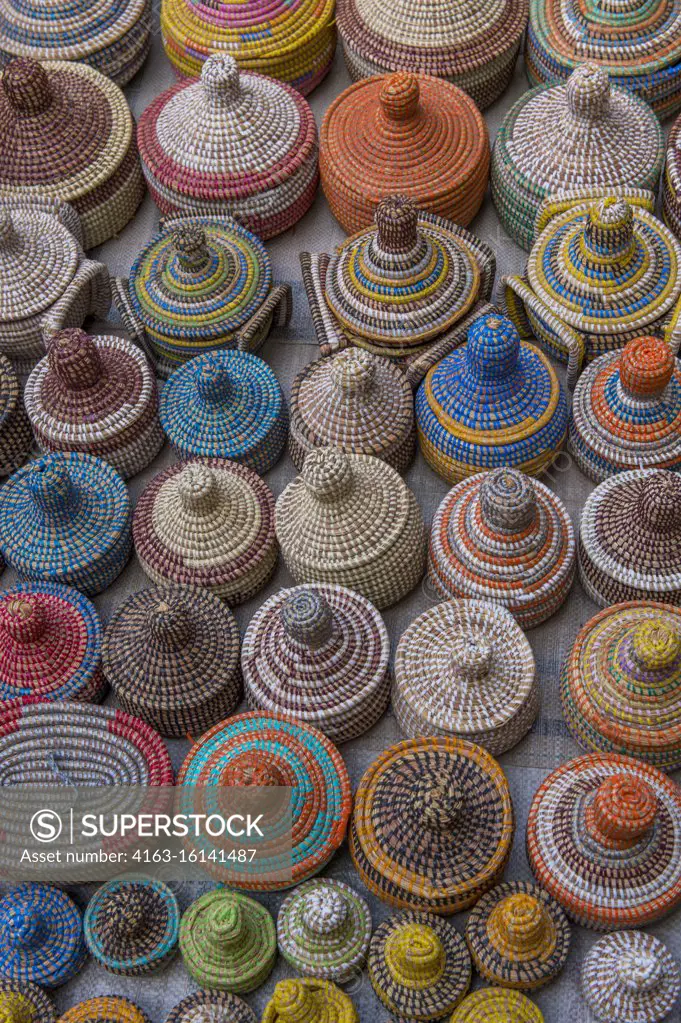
(172, 658)
(465, 669)
(211, 1005)
(233, 142)
(521, 420)
(263, 750)
(584, 292)
(324, 929)
(626, 411)
(131, 926)
(502, 537)
(67, 132)
(351, 520)
(621, 683)
(603, 839)
(630, 976)
(50, 644)
(97, 396)
(432, 825)
(16, 439)
(403, 134)
(66, 518)
(497, 1005)
(671, 181)
(42, 932)
(630, 538)
(21, 1000)
(112, 36)
(210, 523)
(311, 1000)
(518, 936)
(226, 405)
(294, 42)
(47, 283)
(419, 966)
(107, 1009)
(319, 654)
(354, 401)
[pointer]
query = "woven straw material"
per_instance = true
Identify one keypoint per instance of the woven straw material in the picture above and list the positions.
(207, 522)
(97, 396)
(621, 683)
(630, 976)
(432, 825)
(351, 520)
(419, 966)
(112, 36)
(311, 1001)
(626, 411)
(258, 749)
(464, 668)
(171, 655)
(324, 929)
(319, 654)
(131, 926)
(630, 538)
(42, 936)
(211, 1005)
(496, 401)
(232, 142)
(504, 538)
(107, 1009)
(639, 42)
(50, 644)
(582, 133)
(518, 936)
(47, 281)
(23, 1002)
(497, 1005)
(403, 134)
(66, 518)
(354, 401)
(228, 942)
(601, 272)
(294, 42)
(226, 405)
(67, 131)
(16, 439)
(603, 840)
(671, 181)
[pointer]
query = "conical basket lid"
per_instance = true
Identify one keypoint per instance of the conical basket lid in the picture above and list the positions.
(42, 935)
(634, 971)
(66, 29)
(38, 260)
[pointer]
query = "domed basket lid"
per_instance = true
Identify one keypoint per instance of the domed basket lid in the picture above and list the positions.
(601, 838)
(518, 935)
(229, 135)
(464, 667)
(38, 260)
(630, 975)
(24, 1002)
(622, 682)
(64, 127)
(626, 409)
(131, 924)
(311, 999)
(419, 965)
(432, 824)
(50, 643)
(606, 267)
(211, 1006)
(497, 1005)
(42, 935)
(66, 29)
(323, 930)
(107, 1009)
(268, 750)
(200, 276)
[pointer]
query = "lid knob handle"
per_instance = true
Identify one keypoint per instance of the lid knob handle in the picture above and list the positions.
(220, 78)
(327, 473)
(23, 928)
(441, 805)
(397, 220)
(493, 347)
(659, 502)
(588, 92)
(353, 371)
(198, 488)
(252, 770)
(213, 381)
(74, 358)
(124, 914)
(415, 956)
(225, 923)
(324, 911)
(657, 646)
(307, 617)
(507, 501)
(609, 230)
(169, 622)
(22, 617)
(639, 970)
(622, 811)
(399, 96)
(294, 1002)
(471, 655)
(520, 921)
(189, 242)
(27, 86)
(646, 367)
(50, 485)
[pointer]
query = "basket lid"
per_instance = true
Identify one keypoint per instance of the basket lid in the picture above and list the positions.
(10, 392)
(631, 974)
(42, 935)
(38, 260)
(24, 1002)
(66, 29)
(497, 1005)
(309, 999)
(207, 1006)
(107, 1009)
(131, 924)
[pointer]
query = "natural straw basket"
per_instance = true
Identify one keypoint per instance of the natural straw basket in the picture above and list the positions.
(232, 142)
(518, 936)
(671, 181)
(502, 537)
(23, 1002)
(207, 522)
(497, 1005)
(171, 655)
(211, 1005)
(67, 132)
(50, 644)
(107, 1009)
(432, 825)
(16, 438)
(630, 538)
(131, 926)
(319, 654)
(311, 1000)
(630, 976)
(42, 933)
(621, 683)
(603, 840)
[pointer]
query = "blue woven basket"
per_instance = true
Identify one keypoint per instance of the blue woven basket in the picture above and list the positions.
(66, 518)
(41, 936)
(132, 925)
(226, 404)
